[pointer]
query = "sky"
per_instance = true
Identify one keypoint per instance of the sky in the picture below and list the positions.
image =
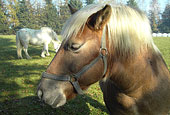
(143, 4)
(162, 4)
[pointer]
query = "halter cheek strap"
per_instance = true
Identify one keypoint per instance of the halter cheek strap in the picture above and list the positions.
(73, 78)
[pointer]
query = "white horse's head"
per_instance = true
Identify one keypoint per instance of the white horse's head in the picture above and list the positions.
(54, 36)
(56, 45)
(55, 40)
(51, 32)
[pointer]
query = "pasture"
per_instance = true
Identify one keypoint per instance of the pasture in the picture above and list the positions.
(19, 79)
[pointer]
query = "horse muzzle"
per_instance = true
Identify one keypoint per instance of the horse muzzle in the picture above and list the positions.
(54, 99)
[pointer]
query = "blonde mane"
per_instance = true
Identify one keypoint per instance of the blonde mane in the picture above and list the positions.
(128, 29)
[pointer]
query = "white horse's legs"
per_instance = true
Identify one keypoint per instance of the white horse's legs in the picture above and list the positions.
(19, 46)
(19, 52)
(45, 51)
(26, 52)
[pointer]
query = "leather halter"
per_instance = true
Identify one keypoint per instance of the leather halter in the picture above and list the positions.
(73, 78)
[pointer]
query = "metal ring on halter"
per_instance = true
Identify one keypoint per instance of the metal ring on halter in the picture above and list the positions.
(103, 50)
(73, 78)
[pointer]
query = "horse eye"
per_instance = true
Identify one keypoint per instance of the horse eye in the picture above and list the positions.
(74, 47)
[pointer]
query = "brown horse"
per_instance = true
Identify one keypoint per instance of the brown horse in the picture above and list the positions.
(111, 44)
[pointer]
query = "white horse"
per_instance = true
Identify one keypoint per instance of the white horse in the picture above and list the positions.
(43, 36)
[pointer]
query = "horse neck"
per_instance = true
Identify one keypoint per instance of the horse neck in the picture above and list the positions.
(139, 73)
(53, 42)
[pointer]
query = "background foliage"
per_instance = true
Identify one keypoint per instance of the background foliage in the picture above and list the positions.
(17, 14)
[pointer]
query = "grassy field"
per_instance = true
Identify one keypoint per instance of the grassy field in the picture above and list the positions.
(19, 79)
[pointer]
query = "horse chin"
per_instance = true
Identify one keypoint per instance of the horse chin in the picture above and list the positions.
(58, 101)
(53, 100)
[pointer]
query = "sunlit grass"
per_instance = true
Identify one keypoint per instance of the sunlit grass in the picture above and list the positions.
(163, 43)
(19, 79)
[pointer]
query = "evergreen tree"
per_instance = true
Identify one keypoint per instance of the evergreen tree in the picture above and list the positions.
(165, 23)
(31, 21)
(50, 17)
(76, 4)
(3, 18)
(133, 4)
(23, 14)
(38, 16)
(154, 15)
(12, 10)
(89, 2)
(26, 14)
(64, 14)
(153, 22)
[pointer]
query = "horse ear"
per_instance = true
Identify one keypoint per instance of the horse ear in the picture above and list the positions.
(99, 19)
(72, 10)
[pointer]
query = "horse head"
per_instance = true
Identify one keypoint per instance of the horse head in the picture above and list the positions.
(79, 61)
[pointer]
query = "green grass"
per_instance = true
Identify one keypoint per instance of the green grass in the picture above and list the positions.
(164, 46)
(19, 79)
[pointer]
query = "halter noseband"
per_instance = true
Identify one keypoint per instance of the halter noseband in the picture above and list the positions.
(73, 78)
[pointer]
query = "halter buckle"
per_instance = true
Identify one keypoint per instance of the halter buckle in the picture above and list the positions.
(75, 83)
(103, 52)
(73, 78)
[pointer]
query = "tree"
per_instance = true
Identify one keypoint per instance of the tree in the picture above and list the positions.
(154, 24)
(38, 16)
(23, 14)
(12, 14)
(64, 14)
(165, 22)
(133, 4)
(76, 4)
(154, 15)
(50, 16)
(27, 15)
(89, 2)
(3, 18)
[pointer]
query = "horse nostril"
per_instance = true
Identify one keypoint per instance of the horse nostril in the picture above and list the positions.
(40, 94)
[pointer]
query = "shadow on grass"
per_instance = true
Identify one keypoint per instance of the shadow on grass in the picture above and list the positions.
(31, 105)
(12, 103)
(18, 85)
(10, 70)
(7, 49)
